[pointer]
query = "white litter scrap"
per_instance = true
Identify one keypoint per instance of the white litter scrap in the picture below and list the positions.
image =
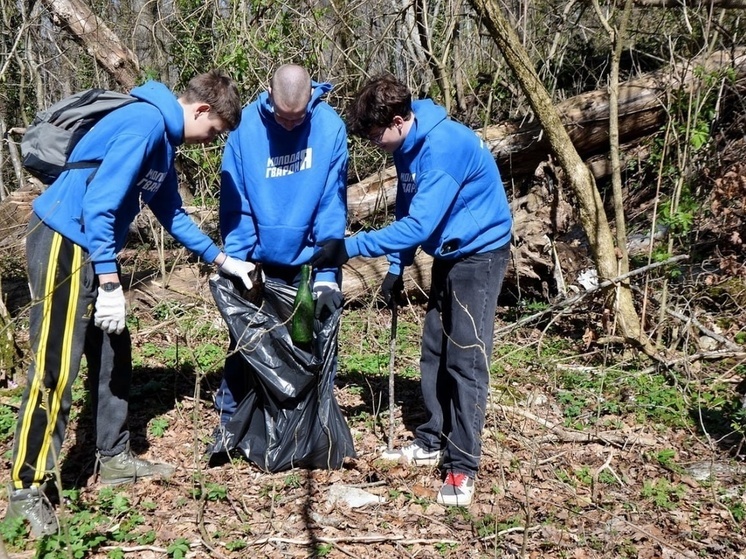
(353, 497)
(588, 279)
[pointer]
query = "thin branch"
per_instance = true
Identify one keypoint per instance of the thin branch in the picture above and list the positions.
(578, 298)
(566, 435)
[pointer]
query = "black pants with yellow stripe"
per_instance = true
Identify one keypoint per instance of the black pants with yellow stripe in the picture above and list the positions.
(63, 292)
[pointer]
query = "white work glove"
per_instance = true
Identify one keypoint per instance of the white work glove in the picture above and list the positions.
(239, 268)
(328, 296)
(110, 311)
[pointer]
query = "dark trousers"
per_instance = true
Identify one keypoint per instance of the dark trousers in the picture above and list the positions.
(63, 291)
(455, 360)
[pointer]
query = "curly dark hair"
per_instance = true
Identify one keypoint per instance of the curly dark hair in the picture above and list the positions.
(376, 104)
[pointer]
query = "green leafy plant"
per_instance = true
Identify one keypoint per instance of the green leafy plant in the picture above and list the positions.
(13, 531)
(7, 422)
(323, 549)
(666, 457)
(178, 549)
(158, 426)
(236, 545)
(736, 507)
(212, 491)
(663, 494)
(445, 548)
(146, 538)
(293, 481)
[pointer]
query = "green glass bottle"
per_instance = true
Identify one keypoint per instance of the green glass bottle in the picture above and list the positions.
(301, 325)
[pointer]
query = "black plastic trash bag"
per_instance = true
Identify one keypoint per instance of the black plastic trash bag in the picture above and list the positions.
(289, 418)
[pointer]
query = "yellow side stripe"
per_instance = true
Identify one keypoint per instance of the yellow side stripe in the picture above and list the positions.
(36, 391)
(67, 343)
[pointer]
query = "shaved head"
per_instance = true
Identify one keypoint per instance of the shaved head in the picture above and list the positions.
(290, 88)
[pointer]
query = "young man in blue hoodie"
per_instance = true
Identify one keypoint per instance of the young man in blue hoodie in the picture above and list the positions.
(450, 201)
(283, 192)
(78, 226)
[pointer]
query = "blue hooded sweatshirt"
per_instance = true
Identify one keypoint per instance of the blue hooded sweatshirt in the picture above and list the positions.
(450, 199)
(284, 191)
(136, 146)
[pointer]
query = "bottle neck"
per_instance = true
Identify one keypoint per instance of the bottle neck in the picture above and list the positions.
(305, 274)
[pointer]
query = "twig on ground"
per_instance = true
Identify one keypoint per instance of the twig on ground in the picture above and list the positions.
(594, 480)
(354, 539)
(566, 435)
(578, 298)
(693, 321)
(551, 458)
(507, 531)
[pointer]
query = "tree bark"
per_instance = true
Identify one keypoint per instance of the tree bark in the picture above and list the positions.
(93, 34)
(592, 215)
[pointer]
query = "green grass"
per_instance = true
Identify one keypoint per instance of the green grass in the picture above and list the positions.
(662, 493)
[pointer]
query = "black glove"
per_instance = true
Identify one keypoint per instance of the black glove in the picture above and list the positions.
(391, 288)
(332, 254)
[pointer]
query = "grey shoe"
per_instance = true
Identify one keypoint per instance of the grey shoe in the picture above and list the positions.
(457, 490)
(33, 505)
(128, 468)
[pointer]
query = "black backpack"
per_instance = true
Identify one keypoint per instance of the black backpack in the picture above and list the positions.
(53, 134)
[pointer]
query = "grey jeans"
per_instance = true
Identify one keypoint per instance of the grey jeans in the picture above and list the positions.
(455, 360)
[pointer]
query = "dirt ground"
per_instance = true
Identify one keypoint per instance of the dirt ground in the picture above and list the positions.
(544, 490)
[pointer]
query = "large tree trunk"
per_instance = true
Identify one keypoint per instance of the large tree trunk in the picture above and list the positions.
(592, 215)
(92, 33)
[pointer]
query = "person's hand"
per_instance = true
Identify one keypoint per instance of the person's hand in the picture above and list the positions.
(391, 288)
(328, 297)
(239, 268)
(332, 254)
(110, 310)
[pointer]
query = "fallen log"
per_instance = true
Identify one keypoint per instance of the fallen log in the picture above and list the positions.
(519, 147)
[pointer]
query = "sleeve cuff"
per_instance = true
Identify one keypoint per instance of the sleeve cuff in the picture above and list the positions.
(107, 267)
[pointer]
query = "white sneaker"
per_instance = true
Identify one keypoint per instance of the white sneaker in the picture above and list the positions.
(457, 490)
(414, 454)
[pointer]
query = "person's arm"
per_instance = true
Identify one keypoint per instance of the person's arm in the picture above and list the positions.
(331, 217)
(436, 192)
(237, 226)
(399, 259)
(113, 182)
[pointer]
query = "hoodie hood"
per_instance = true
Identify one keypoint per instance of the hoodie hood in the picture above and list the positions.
(166, 102)
(427, 116)
(318, 90)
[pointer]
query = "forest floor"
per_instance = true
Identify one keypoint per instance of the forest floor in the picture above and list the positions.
(589, 452)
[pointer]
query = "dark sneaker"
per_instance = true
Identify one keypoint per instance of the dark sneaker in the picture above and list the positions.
(457, 490)
(414, 454)
(128, 468)
(33, 505)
